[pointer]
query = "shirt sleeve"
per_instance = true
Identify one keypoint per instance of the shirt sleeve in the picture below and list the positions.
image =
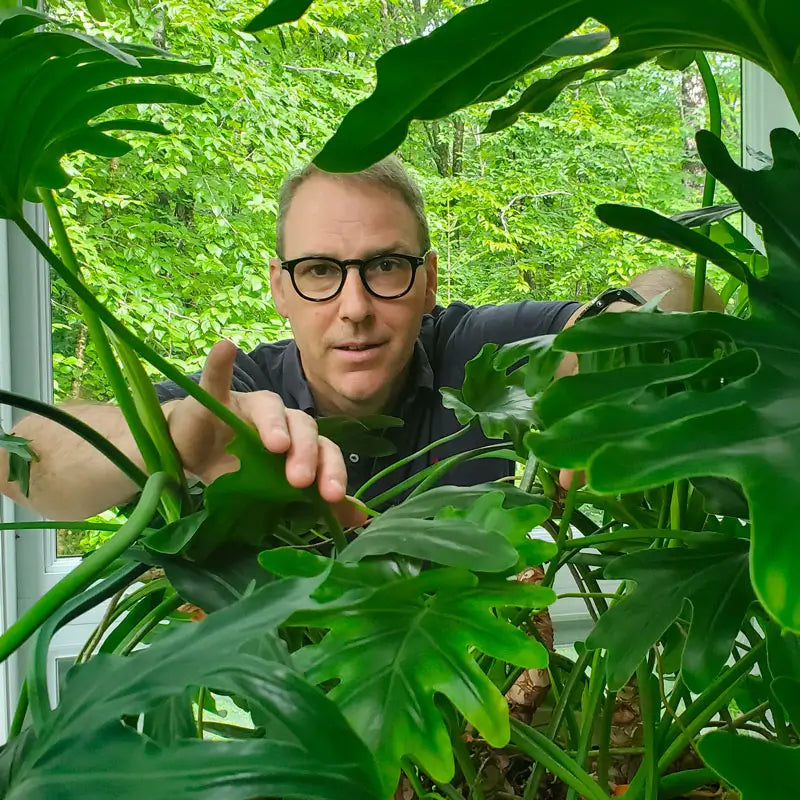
(247, 377)
(470, 328)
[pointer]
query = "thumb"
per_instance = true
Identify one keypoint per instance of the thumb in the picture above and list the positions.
(218, 370)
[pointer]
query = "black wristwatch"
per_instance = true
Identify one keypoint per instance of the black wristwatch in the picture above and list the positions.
(609, 296)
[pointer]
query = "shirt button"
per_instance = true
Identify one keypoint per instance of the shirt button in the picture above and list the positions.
(353, 458)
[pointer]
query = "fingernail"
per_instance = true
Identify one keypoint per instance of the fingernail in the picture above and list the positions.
(337, 484)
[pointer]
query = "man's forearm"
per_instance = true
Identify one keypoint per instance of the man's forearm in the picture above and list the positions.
(679, 288)
(70, 479)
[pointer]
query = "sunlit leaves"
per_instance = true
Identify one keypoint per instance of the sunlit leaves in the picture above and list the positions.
(490, 45)
(63, 77)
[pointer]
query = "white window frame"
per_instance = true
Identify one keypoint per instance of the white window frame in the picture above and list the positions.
(764, 108)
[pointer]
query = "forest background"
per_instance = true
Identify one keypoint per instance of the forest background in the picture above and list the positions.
(176, 236)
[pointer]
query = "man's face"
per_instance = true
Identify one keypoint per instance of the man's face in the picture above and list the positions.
(346, 219)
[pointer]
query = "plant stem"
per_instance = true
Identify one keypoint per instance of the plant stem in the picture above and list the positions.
(649, 718)
(710, 182)
(141, 348)
(79, 427)
(563, 530)
(529, 474)
(551, 757)
(102, 626)
(597, 683)
(561, 710)
(627, 534)
(337, 533)
(411, 773)
(104, 352)
(149, 621)
(465, 764)
(20, 712)
(604, 750)
(61, 525)
(444, 466)
(403, 461)
(779, 718)
(80, 577)
(201, 699)
(698, 713)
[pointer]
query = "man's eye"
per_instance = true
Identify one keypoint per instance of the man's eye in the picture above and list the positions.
(386, 264)
(318, 269)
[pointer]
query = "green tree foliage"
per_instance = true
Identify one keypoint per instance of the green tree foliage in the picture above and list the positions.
(176, 236)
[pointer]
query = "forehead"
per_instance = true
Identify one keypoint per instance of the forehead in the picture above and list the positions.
(347, 218)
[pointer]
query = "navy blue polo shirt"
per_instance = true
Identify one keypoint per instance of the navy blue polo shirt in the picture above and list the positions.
(449, 338)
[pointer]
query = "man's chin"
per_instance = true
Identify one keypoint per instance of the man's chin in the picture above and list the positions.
(363, 397)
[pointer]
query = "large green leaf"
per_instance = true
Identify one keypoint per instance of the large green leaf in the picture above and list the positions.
(477, 528)
(361, 435)
(712, 580)
(410, 640)
(497, 386)
(52, 93)
(481, 50)
(246, 506)
(84, 730)
(277, 13)
(741, 425)
(758, 769)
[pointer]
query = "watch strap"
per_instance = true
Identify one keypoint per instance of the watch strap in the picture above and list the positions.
(609, 296)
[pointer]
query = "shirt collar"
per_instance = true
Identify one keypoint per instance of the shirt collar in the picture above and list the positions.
(299, 392)
(294, 380)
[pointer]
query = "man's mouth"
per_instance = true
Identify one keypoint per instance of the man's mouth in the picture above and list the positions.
(358, 347)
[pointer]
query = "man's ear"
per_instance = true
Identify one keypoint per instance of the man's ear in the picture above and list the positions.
(277, 286)
(432, 284)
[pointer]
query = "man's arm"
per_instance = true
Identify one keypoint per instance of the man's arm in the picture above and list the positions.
(71, 480)
(679, 288)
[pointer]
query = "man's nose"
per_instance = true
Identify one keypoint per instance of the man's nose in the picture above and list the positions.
(355, 302)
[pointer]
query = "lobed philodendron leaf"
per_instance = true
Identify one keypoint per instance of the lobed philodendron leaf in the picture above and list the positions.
(737, 418)
(394, 650)
(83, 750)
(244, 507)
(480, 52)
(55, 86)
(477, 528)
(712, 580)
(498, 384)
(733, 757)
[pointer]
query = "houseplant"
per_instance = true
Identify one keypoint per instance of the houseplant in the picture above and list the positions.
(665, 371)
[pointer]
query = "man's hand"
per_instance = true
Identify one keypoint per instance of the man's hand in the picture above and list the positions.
(201, 437)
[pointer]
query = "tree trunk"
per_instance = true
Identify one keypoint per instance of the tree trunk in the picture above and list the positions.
(693, 112)
(80, 357)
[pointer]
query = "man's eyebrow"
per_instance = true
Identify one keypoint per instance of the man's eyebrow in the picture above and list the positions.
(395, 247)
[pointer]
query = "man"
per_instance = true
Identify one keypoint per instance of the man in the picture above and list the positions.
(356, 278)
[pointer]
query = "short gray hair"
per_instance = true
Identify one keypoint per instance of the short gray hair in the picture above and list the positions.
(388, 173)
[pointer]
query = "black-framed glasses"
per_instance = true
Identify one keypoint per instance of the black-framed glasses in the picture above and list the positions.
(319, 278)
